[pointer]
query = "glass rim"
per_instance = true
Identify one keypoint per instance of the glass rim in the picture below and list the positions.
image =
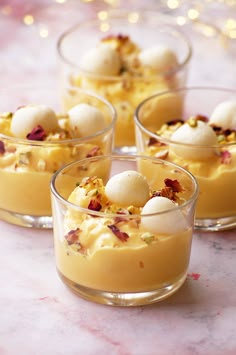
(73, 141)
(119, 15)
(179, 90)
(133, 157)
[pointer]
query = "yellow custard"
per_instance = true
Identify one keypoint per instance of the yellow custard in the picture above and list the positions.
(215, 175)
(126, 88)
(26, 166)
(116, 252)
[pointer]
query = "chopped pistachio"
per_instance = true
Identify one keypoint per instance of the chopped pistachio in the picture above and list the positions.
(131, 209)
(93, 192)
(148, 238)
(41, 165)
(231, 137)
(192, 121)
(24, 158)
(221, 138)
(6, 115)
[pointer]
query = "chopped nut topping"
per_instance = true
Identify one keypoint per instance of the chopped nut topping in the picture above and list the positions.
(174, 184)
(73, 236)
(148, 238)
(2, 148)
(6, 115)
(24, 158)
(94, 152)
(41, 165)
(162, 154)
(192, 121)
(120, 235)
(172, 187)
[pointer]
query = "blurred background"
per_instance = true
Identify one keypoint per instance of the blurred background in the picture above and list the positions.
(29, 31)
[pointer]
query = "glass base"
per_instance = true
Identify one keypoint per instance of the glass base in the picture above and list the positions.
(42, 222)
(123, 299)
(125, 150)
(215, 225)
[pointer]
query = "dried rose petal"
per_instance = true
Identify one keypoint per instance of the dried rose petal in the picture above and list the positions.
(174, 121)
(72, 236)
(37, 134)
(120, 235)
(2, 148)
(154, 141)
(202, 118)
(226, 157)
(94, 205)
(174, 184)
(120, 219)
(168, 192)
(93, 152)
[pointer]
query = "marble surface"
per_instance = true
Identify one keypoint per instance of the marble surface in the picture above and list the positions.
(38, 314)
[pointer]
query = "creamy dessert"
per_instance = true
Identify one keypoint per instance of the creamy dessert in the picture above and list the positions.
(34, 143)
(123, 236)
(125, 74)
(206, 146)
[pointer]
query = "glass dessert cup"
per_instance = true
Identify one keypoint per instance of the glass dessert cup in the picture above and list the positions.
(113, 258)
(27, 165)
(126, 89)
(213, 165)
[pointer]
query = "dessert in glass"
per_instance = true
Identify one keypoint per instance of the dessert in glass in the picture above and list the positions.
(195, 128)
(125, 57)
(123, 228)
(37, 137)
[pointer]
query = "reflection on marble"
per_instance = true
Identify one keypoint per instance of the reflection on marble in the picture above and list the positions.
(39, 315)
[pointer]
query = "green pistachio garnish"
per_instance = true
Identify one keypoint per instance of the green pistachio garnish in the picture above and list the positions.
(148, 238)
(221, 138)
(93, 192)
(6, 115)
(24, 158)
(192, 121)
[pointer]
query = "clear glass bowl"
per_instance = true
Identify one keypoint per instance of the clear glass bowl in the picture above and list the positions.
(125, 92)
(93, 258)
(26, 166)
(214, 166)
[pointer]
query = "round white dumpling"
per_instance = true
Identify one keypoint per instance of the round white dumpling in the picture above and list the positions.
(160, 58)
(166, 223)
(85, 120)
(26, 118)
(128, 188)
(224, 115)
(201, 135)
(102, 60)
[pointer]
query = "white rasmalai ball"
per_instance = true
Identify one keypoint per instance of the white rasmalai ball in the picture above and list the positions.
(167, 223)
(201, 135)
(85, 120)
(160, 58)
(26, 118)
(128, 188)
(224, 115)
(101, 60)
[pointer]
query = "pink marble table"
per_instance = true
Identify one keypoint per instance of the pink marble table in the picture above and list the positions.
(38, 314)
